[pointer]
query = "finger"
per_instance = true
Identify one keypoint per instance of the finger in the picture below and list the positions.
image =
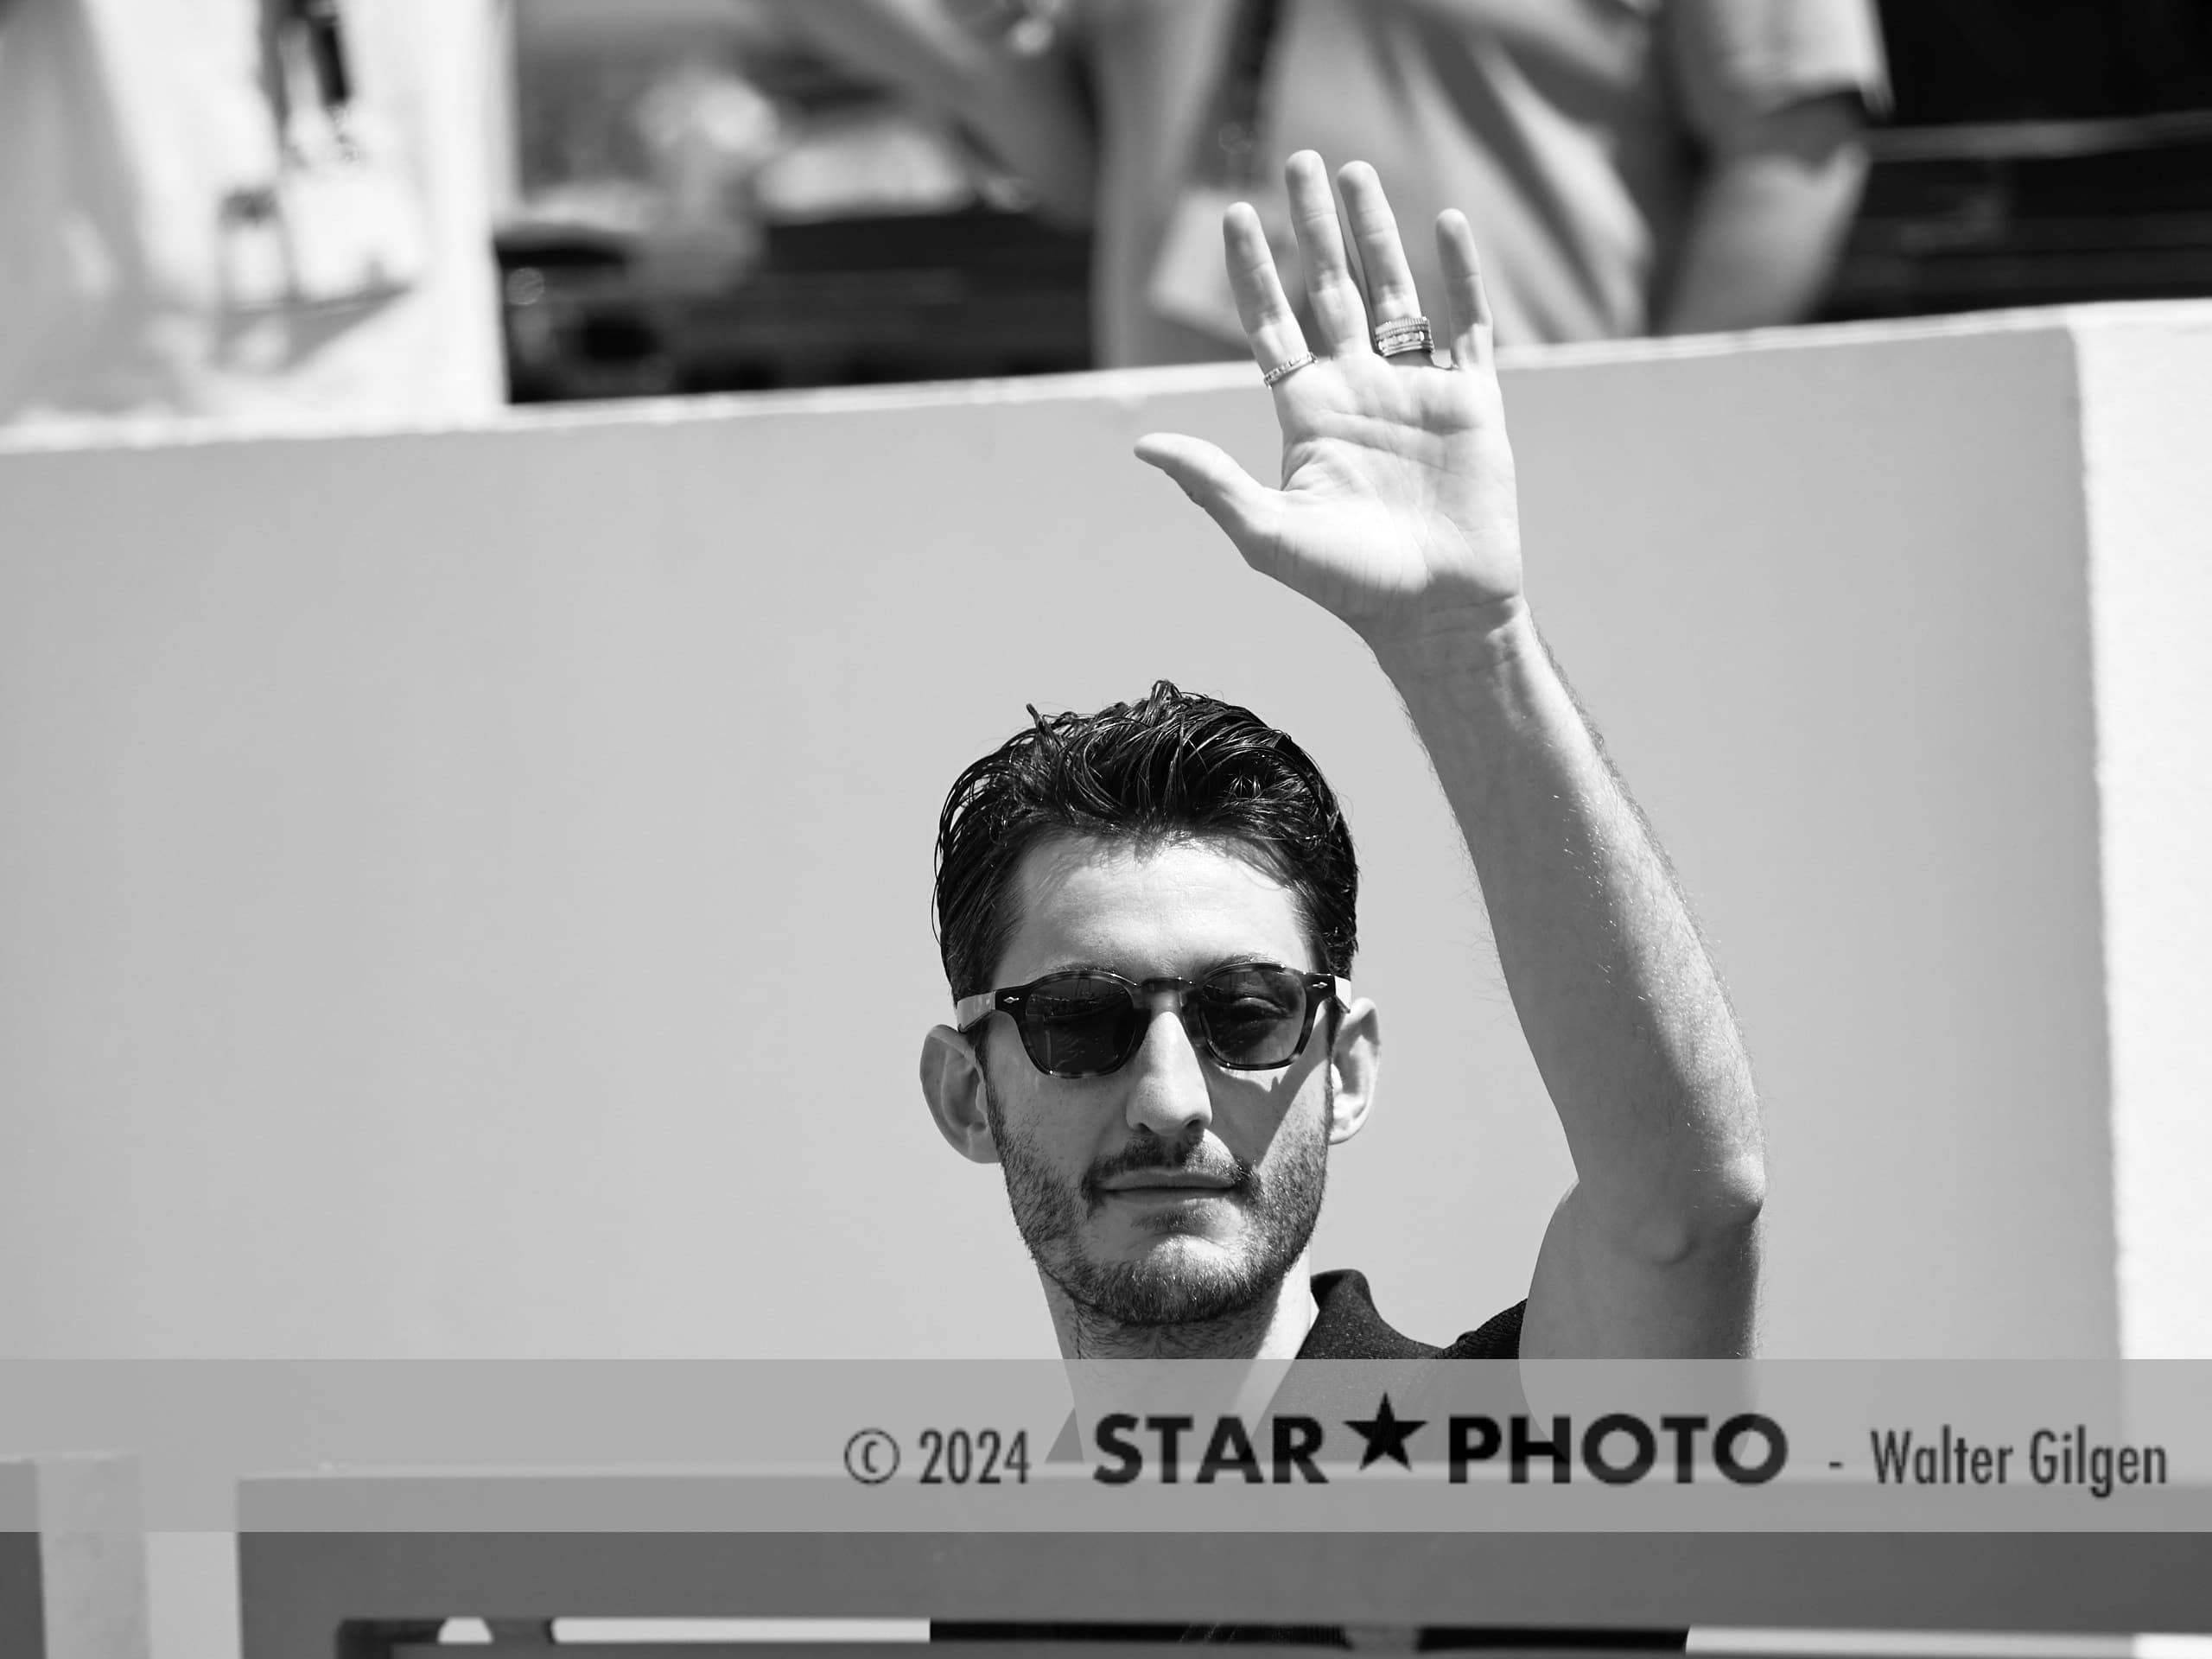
(1389, 279)
(1339, 314)
(1261, 306)
(1472, 342)
(1232, 498)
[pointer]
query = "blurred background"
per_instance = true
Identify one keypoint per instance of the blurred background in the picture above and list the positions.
(2033, 152)
(616, 197)
(711, 199)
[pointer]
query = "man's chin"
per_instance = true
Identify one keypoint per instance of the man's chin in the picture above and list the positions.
(1210, 1237)
(1181, 1278)
(1181, 1251)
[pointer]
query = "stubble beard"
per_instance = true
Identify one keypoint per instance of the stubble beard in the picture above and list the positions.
(1172, 1285)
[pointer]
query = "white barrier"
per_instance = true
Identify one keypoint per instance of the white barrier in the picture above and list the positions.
(468, 893)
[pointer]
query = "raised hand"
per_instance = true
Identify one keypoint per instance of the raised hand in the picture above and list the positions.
(1397, 510)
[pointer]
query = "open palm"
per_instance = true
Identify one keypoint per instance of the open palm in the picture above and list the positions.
(1397, 508)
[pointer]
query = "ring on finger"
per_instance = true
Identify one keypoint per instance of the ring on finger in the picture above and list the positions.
(1289, 366)
(1401, 335)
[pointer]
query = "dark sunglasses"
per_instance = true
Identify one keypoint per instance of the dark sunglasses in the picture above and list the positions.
(1248, 1017)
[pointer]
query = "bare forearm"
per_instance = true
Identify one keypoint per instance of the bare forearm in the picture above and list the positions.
(1029, 112)
(1619, 999)
(1767, 225)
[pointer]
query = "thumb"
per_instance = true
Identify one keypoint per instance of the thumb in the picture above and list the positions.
(1231, 497)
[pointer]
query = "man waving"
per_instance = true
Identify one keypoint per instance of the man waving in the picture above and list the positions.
(1147, 914)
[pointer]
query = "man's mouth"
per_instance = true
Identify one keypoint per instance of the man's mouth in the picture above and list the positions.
(1167, 1180)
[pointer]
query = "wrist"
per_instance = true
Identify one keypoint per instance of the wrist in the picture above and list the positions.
(1454, 644)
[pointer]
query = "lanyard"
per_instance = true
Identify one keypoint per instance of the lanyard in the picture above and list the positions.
(304, 48)
(325, 33)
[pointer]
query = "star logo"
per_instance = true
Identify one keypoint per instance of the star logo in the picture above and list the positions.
(1386, 1434)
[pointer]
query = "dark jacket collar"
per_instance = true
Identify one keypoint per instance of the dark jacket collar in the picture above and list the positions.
(1346, 1326)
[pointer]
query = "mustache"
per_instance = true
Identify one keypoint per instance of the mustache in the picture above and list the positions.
(1185, 1158)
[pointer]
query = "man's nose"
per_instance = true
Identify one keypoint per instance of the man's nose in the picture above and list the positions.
(1167, 1081)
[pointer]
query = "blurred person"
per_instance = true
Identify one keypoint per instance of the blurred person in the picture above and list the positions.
(1148, 915)
(1632, 165)
(708, 131)
(247, 209)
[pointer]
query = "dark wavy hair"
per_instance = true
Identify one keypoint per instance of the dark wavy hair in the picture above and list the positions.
(1178, 764)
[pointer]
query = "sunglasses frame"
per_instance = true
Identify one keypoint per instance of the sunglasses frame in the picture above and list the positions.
(970, 1011)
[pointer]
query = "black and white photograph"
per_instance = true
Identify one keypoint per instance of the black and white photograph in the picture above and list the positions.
(1057, 827)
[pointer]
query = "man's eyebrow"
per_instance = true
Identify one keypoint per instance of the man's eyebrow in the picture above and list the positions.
(1235, 959)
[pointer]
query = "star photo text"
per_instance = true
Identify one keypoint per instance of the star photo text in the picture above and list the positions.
(1617, 1449)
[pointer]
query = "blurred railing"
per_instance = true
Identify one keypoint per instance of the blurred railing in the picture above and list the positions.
(73, 1565)
(336, 1595)
(1987, 215)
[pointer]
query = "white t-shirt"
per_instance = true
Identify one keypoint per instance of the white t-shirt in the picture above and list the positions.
(126, 125)
(1571, 132)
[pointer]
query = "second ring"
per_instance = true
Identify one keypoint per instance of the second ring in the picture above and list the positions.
(1401, 335)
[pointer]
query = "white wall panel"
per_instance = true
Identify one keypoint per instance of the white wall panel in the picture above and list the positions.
(468, 893)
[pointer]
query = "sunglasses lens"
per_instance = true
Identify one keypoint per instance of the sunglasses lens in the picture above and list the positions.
(1078, 1025)
(1252, 1016)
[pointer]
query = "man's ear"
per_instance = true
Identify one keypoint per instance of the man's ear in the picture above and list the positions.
(1357, 1059)
(952, 1082)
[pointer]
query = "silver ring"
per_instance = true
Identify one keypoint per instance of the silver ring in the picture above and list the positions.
(1288, 365)
(1404, 334)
